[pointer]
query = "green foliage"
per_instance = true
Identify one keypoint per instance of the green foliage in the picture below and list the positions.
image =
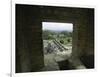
(48, 35)
(64, 37)
(66, 33)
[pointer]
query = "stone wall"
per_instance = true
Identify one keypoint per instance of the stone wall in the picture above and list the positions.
(29, 50)
(29, 45)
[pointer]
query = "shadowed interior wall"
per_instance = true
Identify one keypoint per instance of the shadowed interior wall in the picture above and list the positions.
(85, 42)
(86, 34)
(29, 50)
(29, 46)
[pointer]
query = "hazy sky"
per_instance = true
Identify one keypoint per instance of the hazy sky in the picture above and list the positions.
(57, 26)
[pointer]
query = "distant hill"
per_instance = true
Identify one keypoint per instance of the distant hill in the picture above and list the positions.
(58, 31)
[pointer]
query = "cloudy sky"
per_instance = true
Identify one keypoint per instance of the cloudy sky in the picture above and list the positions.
(57, 26)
